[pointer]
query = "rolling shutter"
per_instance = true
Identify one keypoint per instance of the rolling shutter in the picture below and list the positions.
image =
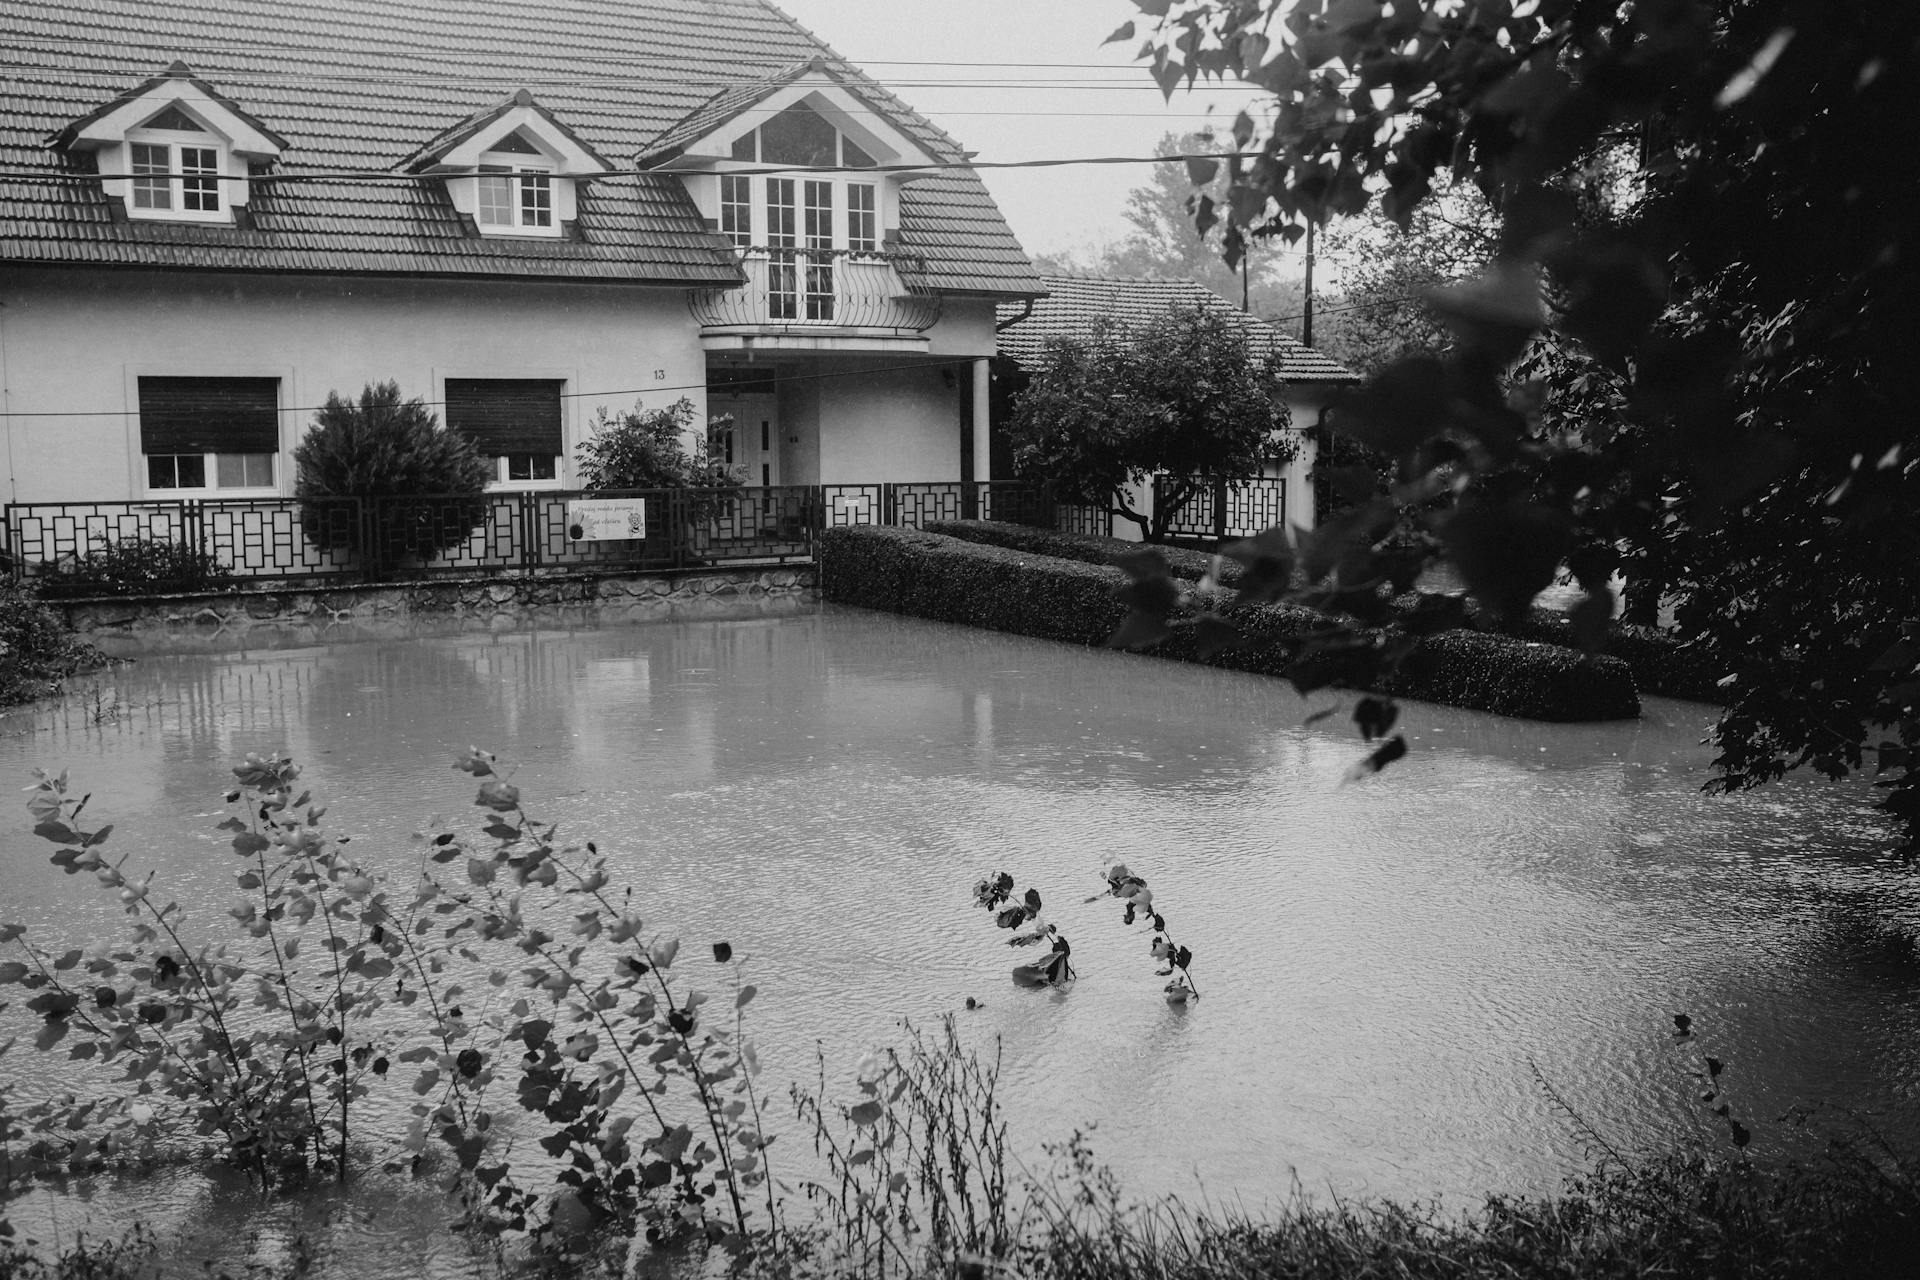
(209, 415)
(507, 415)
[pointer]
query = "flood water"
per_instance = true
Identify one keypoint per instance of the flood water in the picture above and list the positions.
(1389, 968)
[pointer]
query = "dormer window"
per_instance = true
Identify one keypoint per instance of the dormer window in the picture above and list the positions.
(800, 135)
(174, 149)
(177, 166)
(513, 169)
(746, 163)
(516, 189)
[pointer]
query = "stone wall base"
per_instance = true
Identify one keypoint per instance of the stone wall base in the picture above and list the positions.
(498, 601)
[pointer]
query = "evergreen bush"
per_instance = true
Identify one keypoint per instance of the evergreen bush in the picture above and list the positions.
(380, 447)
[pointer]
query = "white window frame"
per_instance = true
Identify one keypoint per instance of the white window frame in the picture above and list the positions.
(863, 224)
(504, 482)
(174, 176)
(520, 175)
(212, 488)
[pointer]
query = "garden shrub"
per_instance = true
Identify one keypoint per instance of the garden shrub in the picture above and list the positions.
(932, 576)
(136, 567)
(379, 447)
(37, 651)
(638, 449)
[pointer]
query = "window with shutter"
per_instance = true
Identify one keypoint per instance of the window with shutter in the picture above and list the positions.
(209, 433)
(514, 421)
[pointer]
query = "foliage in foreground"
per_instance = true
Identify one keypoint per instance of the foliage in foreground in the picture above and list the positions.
(260, 1035)
(1672, 367)
(37, 651)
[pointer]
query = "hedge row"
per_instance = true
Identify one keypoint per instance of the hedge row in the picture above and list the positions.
(1659, 665)
(1088, 547)
(929, 575)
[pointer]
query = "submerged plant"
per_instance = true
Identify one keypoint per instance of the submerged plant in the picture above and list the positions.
(995, 894)
(1174, 960)
(1708, 1074)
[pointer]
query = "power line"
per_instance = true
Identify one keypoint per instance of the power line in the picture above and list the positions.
(383, 175)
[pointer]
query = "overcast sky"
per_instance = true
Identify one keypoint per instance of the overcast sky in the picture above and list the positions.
(1102, 103)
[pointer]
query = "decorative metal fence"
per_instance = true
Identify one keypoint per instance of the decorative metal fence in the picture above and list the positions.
(102, 548)
(1233, 509)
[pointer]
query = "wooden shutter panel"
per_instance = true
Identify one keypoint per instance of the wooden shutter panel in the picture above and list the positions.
(507, 415)
(209, 415)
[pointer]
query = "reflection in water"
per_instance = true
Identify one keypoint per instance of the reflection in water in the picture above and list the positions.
(1382, 961)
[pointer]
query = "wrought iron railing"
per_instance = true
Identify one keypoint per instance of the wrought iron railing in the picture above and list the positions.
(817, 289)
(71, 548)
(1232, 509)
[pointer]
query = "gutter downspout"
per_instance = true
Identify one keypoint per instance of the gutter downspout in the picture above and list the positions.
(6, 411)
(1010, 321)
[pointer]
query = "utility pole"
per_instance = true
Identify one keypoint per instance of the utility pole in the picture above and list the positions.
(1246, 251)
(1306, 317)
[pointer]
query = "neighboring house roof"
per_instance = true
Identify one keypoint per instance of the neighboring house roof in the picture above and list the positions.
(374, 85)
(1075, 304)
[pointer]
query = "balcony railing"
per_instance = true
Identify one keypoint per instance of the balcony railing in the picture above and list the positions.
(820, 291)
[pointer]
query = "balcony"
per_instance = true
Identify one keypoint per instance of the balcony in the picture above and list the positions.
(815, 300)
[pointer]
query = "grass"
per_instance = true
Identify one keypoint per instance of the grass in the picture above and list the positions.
(1679, 1217)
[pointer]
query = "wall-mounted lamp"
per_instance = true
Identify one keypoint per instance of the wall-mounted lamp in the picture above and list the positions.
(946, 376)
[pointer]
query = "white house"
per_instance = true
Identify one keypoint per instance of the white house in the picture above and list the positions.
(212, 216)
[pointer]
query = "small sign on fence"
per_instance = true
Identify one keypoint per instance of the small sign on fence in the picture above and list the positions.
(606, 519)
(856, 506)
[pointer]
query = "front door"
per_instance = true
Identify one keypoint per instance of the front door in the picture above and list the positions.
(751, 449)
(751, 446)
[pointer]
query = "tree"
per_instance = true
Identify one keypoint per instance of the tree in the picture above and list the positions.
(1182, 397)
(1706, 258)
(1386, 271)
(1166, 244)
(381, 448)
(637, 449)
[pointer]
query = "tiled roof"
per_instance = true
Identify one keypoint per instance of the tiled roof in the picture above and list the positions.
(366, 85)
(1075, 303)
(438, 147)
(720, 108)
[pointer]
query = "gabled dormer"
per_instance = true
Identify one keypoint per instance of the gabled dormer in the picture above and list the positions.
(175, 149)
(731, 150)
(513, 170)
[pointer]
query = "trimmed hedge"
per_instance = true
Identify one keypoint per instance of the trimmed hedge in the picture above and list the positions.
(1659, 664)
(1090, 548)
(929, 575)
